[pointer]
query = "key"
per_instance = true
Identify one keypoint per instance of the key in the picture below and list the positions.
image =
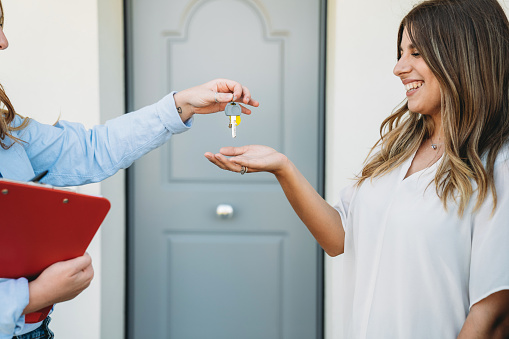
(232, 110)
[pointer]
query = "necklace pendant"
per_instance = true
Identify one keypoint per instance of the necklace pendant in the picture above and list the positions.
(434, 146)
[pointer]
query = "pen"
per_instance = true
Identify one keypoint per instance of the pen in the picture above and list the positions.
(39, 176)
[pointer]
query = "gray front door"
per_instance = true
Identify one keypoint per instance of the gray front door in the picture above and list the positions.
(193, 274)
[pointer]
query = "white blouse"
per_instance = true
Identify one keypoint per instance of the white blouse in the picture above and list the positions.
(413, 269)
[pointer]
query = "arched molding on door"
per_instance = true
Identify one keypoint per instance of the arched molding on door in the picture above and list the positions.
(250, 38)
(256, 5)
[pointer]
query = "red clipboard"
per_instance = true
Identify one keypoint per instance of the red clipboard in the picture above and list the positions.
(41, 225)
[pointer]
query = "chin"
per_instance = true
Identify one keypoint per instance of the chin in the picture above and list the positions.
(415, 110)
(431, 110)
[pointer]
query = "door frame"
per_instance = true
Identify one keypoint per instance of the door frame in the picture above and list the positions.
(129, 178)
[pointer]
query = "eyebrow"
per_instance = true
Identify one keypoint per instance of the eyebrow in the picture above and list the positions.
(410, 46)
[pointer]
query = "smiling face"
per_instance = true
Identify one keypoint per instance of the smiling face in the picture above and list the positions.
(421, 85)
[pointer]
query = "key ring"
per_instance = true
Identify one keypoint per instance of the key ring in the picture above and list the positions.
(243, 170)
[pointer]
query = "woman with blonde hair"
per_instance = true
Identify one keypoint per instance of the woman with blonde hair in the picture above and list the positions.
(425, 228)
(75, 156)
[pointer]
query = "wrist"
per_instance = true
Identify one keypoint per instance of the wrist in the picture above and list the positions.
(183, 108)
(285, 167)
(37, 298)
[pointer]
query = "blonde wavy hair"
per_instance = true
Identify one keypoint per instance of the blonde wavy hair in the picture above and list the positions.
(465, 43)
(7, 112)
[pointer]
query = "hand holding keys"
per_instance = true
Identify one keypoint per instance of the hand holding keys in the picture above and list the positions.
(232, 110)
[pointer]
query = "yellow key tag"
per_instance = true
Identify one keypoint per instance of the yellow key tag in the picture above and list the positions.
(232, 110)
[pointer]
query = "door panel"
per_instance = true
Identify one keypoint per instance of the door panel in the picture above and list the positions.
(224, 289)
(193, 274)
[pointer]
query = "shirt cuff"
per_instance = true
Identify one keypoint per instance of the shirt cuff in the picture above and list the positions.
(15, 297)
(169, 116)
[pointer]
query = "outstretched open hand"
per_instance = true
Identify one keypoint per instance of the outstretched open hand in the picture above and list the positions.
(257, 158)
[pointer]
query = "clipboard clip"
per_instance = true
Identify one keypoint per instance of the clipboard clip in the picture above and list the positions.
(39, 176)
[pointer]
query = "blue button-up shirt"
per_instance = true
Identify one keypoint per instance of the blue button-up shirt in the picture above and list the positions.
(76, 156)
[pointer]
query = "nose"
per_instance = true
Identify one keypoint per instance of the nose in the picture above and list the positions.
(402, 67)
(3, 40)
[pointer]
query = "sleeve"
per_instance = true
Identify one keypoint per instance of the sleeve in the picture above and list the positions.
(489, 263)
(343, 204)
(76, 156)
(13, 300)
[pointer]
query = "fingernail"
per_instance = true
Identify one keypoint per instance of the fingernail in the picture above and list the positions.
(234, 97)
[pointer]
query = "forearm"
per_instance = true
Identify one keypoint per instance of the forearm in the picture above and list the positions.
(75, 156)
(322, 220)
(39, 298)
(488, 319)
(476, 329)
(183, 108)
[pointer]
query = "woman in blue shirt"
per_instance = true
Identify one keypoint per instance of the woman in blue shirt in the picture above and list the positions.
(76, 156)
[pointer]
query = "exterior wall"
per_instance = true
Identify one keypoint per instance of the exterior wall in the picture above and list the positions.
(65, 61)
(50, 72)
(113, 242)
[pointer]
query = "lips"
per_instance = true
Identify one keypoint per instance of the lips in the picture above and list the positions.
(412, 86)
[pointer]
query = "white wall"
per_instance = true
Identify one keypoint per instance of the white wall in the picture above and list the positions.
(361, 92)
(50, 71)
(111, 89)
(59, 65)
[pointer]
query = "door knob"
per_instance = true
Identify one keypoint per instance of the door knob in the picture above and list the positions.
(224, 211)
